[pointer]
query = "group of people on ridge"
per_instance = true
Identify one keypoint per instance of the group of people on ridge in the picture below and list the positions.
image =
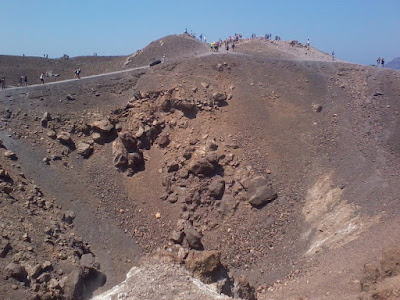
(380, 61)
(23, 80)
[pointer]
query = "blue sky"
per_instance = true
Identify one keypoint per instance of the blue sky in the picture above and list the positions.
(357, 30)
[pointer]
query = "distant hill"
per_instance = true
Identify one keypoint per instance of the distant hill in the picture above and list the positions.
(394, 64)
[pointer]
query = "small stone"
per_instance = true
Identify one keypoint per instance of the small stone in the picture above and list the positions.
(47, 266)
(97, 137)
(53, 284)
(211, 145)
(51, 134)
(103, 126)
(64, 137)
(45, 277)
(172, 166)
(317, 107)
(177, 237)
(163, 140)
(70, 97)
(205, 85)
(84, 149)
(158, 215)
(10, 155)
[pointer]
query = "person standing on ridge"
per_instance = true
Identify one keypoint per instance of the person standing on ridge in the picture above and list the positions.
(42, 78)
(383, 62)
(378, 61)
(308, 43)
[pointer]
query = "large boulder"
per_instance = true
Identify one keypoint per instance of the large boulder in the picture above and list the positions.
(193, 237)
(204, 264)
(260, 193)
(120, 155)
(202, 166)
(227, 205)
(73, 285)
(217, 188)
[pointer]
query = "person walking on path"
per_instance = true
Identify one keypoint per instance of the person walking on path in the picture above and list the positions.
(78, 73)
(25, 80)
(3, 83)
(42, 78)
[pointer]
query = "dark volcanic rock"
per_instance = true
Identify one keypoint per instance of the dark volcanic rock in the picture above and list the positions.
(202, 166)
(260, 192)
(16, 271)
(217, 187)
(193, 238)
(5, 247)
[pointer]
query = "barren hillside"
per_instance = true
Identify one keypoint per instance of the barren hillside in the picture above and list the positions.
(272, 164)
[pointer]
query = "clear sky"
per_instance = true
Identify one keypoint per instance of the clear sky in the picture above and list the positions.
(357, 30)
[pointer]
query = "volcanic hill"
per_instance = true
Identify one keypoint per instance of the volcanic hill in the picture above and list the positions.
(271, 171)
